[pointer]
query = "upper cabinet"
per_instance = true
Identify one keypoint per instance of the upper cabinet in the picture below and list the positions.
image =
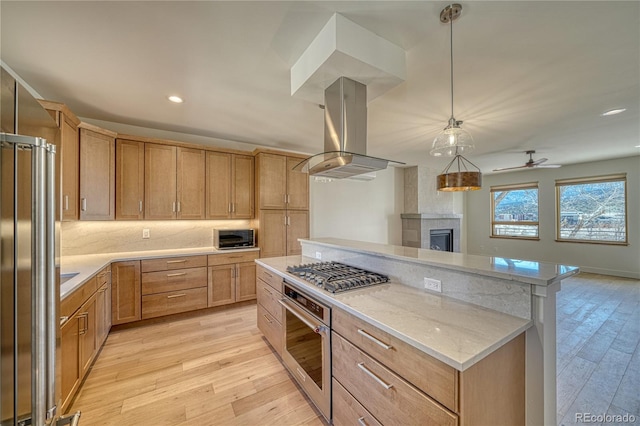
(279, 186)
(69, 153)
(174, 182)
(129, 179)
(230, 183)
(97, 173)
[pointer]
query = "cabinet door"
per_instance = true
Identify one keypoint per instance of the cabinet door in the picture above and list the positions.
(297, 186)
(97, 176)
(159, 181)
(245, 281)
(272, 177)
(129, 179)
(69, 360)
(103, 314)
(218, 185)
(272, 237)
(70, 162)
(125, 292)
(88, 334)
(297, 227)
(190, 183)
(242, 187)
(221, 285)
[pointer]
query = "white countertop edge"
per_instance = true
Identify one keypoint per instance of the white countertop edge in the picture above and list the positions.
(88, 265)
(457, 264)
(458, 364)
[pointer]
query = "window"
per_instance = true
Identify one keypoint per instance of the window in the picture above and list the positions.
(592, 209)
(515, 211)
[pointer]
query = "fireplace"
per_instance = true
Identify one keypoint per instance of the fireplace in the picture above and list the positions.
(417, 230)
(441, 239)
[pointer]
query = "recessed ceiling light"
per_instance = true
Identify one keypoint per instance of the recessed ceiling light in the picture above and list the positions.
(613, 112)
(176, 99)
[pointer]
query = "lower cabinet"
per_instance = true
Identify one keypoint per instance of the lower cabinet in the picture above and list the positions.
(125, 292)
(270, 311)
(70, 359)
(232, 278)
(87, 334)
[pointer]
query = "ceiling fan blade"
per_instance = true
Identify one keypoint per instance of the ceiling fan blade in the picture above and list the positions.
(537, 162)
(549, 166)
(509, 168)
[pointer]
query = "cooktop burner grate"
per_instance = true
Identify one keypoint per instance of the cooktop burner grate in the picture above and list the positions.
(335, 277)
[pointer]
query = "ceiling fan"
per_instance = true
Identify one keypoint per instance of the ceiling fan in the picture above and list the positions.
(531, 163)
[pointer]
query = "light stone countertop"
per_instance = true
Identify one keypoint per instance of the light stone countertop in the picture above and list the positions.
(525, 271)
(457, 333)
(86, 266)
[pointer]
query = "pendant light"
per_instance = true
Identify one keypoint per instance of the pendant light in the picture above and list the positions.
(453, 140)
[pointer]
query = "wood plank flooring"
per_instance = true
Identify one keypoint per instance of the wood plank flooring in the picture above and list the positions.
(216, 369)
(213, 369)
(598, 335)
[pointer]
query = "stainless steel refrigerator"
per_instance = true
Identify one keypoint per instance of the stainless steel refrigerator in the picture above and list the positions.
(29, 254)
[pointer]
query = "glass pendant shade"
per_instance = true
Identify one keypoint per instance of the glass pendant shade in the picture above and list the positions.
(452, 140)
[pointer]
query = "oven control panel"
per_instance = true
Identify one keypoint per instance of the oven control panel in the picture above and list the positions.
(305, 302)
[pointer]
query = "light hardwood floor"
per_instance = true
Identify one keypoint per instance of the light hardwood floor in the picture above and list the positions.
(598, 364)
(216, 369)
(213, 369)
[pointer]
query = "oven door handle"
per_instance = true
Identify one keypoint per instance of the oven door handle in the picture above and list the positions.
(318, 328)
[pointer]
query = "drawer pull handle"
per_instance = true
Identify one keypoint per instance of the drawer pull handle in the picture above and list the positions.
(362, 367)
(374, 340)
(177, 274)
(301, 374)
(267, 274)
(361, 422)
(63, 319)
(173, 296)
(268, 320)
(267, 290)
(176, 261)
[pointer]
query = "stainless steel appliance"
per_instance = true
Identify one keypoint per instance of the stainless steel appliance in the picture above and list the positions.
(335, 277)
(227, 239)
(29, 260)
(307, 345)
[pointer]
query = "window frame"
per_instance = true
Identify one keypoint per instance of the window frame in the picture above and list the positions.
(514, 187)
(619, 177)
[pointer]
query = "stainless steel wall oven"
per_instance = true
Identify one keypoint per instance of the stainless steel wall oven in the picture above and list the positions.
(307, 345)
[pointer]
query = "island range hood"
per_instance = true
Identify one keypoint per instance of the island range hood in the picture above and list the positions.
(345, 135)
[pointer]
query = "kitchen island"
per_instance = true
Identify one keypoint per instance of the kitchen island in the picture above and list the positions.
(484, 303)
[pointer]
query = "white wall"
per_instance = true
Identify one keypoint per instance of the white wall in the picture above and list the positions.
(598, 258)
(365, 211)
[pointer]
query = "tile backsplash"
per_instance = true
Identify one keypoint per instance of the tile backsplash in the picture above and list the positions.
(92, 237)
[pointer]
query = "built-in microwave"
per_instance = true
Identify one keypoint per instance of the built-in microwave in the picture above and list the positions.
(226, 239)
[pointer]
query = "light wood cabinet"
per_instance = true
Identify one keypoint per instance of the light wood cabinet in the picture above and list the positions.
(270, 312)
(97, 175)
(69, 153)
(232, 278)
(125, 292)
(103, 306)
(129, 180)
(280, 230)
(230, 183)
(174, 182)
(69, 360)
(88, 329)
(173, 285)
(297, 186)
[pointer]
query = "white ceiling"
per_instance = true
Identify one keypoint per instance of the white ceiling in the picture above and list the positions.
(528, 75)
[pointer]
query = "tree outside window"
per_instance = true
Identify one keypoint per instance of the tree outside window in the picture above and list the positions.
(515, 211)
(592, 209)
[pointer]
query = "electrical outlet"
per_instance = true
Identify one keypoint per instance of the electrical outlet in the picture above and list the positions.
(433, 285)
(146, 233)
(318, 255)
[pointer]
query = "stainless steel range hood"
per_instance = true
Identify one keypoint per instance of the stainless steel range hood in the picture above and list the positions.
(345, 135)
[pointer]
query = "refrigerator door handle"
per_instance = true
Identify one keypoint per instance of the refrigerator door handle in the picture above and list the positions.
(51, 293)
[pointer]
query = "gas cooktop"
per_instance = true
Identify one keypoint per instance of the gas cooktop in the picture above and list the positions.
(335, 277)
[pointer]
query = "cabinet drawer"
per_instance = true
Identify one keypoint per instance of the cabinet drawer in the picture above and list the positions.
(435, 378)
(268, 297)
(347, 410)
(271, 329)
(169, 263)
(384, 394)
(178, 279)
(156, 305)
(104, 276)
(72, 303)
(235, 257)
(269, 277)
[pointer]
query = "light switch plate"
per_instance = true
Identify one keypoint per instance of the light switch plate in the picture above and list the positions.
(146, 233)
